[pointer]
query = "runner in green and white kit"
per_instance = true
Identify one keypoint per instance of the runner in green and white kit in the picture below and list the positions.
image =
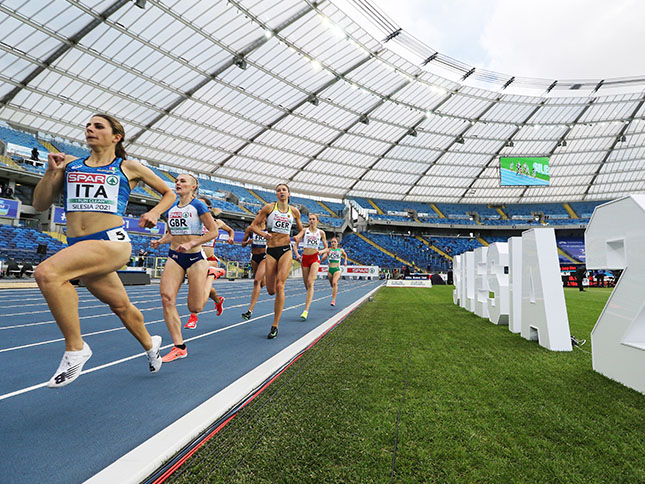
(334, 271)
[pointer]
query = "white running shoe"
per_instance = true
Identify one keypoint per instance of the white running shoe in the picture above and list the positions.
(70, 367)
(154, 358)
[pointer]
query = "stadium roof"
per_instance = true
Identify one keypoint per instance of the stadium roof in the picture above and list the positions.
(267, 91)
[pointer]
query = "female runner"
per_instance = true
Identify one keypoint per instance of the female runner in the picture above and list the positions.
(96, 191)
(186, 219)
(310, 258)
(334, 271)
(258, 266)
(209, 252)
(279, 217)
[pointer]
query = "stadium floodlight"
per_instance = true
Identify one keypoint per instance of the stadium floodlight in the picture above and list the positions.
(140, 3)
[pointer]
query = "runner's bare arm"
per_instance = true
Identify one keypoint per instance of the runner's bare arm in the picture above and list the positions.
(51, 184)
(137, 172)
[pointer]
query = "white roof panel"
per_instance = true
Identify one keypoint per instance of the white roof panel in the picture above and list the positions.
(263, 92)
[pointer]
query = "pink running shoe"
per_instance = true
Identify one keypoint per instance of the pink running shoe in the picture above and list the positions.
(220, 306)
(192, 322)
(333, 303)
(175, 354)
(216, 272)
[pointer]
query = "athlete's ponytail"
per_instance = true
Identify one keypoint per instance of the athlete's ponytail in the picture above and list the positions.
(117, 128)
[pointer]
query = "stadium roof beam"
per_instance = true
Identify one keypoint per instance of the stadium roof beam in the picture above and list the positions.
(620, 136)
(257, 43)
(499, 151)
(392, 35)
(361, 119)
(458, 140)
(561, 143)
(430, 59)
(62, 50)
(468, 74)
(392, 145)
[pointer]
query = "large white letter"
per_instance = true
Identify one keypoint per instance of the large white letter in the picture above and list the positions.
(481, 283)
(515, 284)
(497, 272)
(457, 293)
(544, 312)
(469, 270)
(615, 239)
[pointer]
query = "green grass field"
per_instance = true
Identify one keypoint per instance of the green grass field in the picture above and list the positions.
(411, 388)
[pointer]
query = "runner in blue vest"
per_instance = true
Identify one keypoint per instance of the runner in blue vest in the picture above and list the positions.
(186, 259)
(96, 191)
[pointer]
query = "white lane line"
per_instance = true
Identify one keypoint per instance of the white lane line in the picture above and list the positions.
(121, 328)
(110, 313)
(122, 360)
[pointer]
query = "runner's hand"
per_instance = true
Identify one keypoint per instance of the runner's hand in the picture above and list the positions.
(56, 161)
(148, 219)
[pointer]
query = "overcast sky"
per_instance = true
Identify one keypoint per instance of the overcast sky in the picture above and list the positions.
(552, 39)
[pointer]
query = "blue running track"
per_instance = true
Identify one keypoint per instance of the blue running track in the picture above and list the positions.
(67, 435)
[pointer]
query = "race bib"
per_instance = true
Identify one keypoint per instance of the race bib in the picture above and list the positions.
(118, 235)
(311, 241)
(179, 223)
(92, 192)
(281, 224)
(259, 240)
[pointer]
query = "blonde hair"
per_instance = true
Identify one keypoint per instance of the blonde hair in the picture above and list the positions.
(196, 182)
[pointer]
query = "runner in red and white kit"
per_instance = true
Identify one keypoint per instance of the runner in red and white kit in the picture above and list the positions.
(312, 238)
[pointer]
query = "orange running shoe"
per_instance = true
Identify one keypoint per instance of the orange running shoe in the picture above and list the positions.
(175, 354)
(220, 306)
(217, 272)
(192, 322)
(333, 303)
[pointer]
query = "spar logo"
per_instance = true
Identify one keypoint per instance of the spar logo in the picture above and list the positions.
(92, 185)
(87, 178)
(358, 270)
(94, 178)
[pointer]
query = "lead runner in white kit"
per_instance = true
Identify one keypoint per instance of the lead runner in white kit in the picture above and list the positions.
(279, 217)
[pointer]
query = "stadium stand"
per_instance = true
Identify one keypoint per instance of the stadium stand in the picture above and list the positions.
(21, 244)
(585, 209)
(22, 139)
(454, 245)
(411, 249)
(364, 253)
(70, 149)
